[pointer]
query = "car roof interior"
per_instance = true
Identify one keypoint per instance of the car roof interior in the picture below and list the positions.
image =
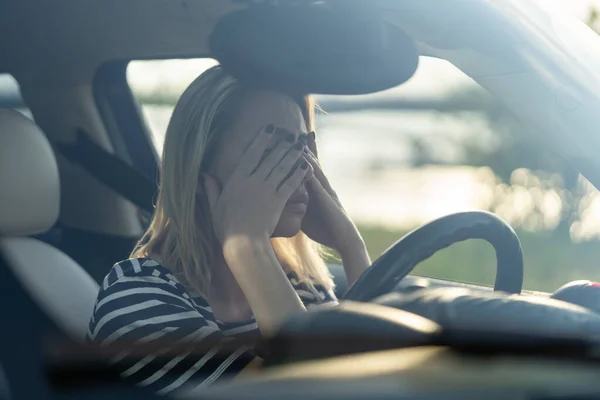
(67, 41)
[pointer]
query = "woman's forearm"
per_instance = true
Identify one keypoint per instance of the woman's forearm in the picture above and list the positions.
(355, 259)
(268, 290)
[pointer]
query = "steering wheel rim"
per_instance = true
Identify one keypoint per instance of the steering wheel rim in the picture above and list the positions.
(404, 255)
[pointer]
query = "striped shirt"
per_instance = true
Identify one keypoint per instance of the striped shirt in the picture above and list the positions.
(141, 300)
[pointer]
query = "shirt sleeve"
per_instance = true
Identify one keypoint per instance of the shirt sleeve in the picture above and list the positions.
(151, 308)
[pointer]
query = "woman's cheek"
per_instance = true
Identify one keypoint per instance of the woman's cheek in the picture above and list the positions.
(221, 169)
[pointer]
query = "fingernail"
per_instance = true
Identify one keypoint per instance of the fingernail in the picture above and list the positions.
(299, 146)
(290, 138)
(304, 165)
(270, 129)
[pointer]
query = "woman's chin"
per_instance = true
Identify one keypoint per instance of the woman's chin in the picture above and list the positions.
(288, 226)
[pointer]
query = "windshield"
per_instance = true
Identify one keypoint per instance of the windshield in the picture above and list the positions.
(541, 63)
(442, 143)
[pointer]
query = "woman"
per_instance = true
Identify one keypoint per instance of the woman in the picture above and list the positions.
(233, 247)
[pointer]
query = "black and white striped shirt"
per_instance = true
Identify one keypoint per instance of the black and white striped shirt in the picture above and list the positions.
(142, 301)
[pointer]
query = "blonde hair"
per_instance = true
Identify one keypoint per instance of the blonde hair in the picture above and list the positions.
(181, 235)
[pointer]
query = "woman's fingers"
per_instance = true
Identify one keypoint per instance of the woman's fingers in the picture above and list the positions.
(311, 158)
(315, 187)
(311, 142)
(275, 156)
(287, 165)
(288, 186)
(251, 159)
(319, 174)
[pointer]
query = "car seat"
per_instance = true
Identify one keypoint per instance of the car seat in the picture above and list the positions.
(29, 204)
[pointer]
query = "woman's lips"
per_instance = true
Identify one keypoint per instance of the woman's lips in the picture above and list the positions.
(298, 203)
(297, 206)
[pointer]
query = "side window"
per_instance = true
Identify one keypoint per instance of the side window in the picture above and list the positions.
(436, 145)
(157, 84)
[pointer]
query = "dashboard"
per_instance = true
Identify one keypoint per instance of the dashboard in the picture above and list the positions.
(420, 373)
(413, 281)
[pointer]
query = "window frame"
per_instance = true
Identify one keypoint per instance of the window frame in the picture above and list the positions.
(124, 120)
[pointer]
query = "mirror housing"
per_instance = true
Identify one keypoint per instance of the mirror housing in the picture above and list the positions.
(314, 48)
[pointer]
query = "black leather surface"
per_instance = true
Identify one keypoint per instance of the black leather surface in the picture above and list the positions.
(583, 293)
(498, 313)
(347, 329)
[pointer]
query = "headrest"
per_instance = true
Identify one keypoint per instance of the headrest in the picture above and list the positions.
(29, 183)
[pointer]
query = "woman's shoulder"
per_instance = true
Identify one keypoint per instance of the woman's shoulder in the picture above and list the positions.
(147, 275)
(139, 266)
(140, 271)
(141, 289)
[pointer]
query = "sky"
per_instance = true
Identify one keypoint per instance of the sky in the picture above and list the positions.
(576, 7)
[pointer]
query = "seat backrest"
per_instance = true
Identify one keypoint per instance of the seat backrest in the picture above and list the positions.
(29, 204)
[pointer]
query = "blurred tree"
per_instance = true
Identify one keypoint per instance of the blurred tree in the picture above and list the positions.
(593, 18)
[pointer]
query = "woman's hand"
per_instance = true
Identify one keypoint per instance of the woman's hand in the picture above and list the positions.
(252, 200)
(326, 221)
(245, 213)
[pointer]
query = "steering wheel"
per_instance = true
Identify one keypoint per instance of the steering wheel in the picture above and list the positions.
(471, 318)
(403, 256)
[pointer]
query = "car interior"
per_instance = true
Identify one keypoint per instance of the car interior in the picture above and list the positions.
(78, 176)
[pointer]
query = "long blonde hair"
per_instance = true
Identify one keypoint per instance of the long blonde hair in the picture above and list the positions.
(181, 235)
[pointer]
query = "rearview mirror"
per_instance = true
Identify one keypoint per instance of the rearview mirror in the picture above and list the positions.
(316, 48)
